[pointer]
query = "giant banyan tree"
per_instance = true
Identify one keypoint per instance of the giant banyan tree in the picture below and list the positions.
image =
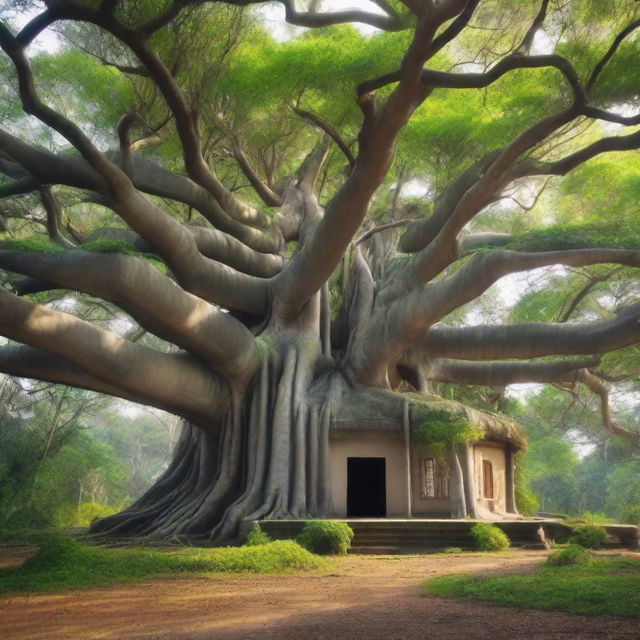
(274, 243)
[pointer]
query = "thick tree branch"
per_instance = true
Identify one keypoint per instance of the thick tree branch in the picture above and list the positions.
(384, 22)
(26, 362)
(401, 323)
(48, 168)
(187, 128)
(472, 241)
(151, 298)
(529, 340)
(314, 263)
(162, 379)
(443, 250)
(54, 217)
(19, 187)
(494, 374)
(418, 235)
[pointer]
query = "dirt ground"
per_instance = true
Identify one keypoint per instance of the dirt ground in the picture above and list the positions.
(360, 598)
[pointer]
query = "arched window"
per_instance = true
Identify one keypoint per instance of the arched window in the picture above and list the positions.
(487, 479)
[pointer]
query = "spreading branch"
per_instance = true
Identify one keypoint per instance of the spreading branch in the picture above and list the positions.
(154, 300)
(529, 340)
(498, 374)
(114, 360)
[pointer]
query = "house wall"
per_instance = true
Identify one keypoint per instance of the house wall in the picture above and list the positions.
(425, 506)
(374, 444)
(391, 446)
(494, 453)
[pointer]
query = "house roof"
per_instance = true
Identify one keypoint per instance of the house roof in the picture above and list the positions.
(379, 410)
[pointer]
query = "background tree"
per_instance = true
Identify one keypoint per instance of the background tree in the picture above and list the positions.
(226, 226)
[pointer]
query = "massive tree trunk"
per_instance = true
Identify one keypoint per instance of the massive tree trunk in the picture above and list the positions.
(268, 358)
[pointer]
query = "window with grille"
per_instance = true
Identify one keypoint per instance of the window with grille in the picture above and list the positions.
(487, 479)
(434, 481)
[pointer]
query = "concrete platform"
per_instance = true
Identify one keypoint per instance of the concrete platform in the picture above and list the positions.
(419, 535)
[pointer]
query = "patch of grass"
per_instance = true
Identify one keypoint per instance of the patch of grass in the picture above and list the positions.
(574, 554)
(603, 586)
(62, 564)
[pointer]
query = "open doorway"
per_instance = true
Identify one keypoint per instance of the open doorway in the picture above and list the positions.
(366, 488)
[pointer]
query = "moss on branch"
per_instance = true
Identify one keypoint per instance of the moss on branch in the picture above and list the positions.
(583, 236)
(41, 244)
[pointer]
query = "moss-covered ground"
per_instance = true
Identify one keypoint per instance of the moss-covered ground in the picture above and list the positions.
(63, 563)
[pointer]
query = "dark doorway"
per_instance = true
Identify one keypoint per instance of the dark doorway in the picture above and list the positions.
(366, 488)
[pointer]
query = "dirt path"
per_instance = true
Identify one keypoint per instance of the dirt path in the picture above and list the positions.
(362, 598)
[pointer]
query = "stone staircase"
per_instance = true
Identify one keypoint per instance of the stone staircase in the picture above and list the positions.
(395, 536)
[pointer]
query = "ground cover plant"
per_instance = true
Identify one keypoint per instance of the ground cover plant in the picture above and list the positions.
(246, 211)
(590, 536)
(488, 537)
(63, 563)
(599, 586)
(573, 554)
(326, 537)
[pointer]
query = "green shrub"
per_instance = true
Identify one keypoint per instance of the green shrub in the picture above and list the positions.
(69, 515)
(575, 554)
(452, 550)
(488, 537)
(256, 536)
(632, 515)
(326, 537)
(590, 536)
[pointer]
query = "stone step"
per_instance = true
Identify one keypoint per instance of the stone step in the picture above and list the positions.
(418, 535)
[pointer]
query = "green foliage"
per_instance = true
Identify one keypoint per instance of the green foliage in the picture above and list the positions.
(604, 586)
(69, 449)
(256, 536)
(622, 488)
(452, 550)
(488, 537)
(589, 517)
(32, 244)
(90, 511)
(527, 502)
(443, 428)
(590, 536)
(63, 563)
(572, 555)
(326, 537)
(552, 463)
(632, 516)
